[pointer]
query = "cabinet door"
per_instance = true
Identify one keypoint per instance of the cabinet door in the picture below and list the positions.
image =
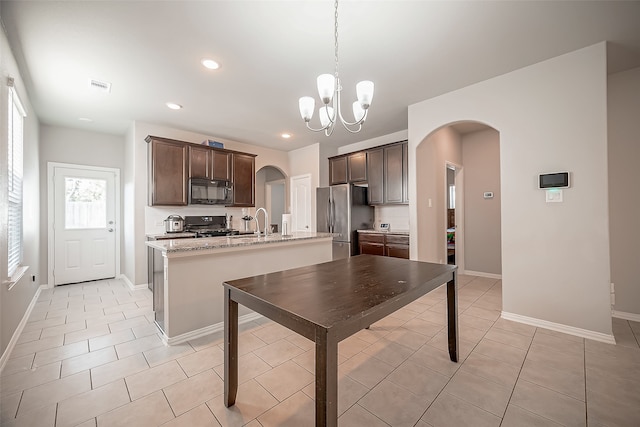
(397, 251)
(168, 167)
(375, 176)
(199, 162)
(357, 166)
(338, 170)
(221, 162)
(244, 180)
(393, 174)
(405, 172)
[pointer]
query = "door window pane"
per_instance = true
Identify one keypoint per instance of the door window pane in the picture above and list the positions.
(85, 203)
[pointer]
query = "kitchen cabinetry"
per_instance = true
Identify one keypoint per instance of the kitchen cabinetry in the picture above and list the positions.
(205, 162)
(387, 174)
(172, 163)
(168, 165)
(348, 168)
(393, 245)
(244, 179)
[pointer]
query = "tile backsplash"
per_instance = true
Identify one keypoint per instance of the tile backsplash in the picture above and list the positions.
(397, 216)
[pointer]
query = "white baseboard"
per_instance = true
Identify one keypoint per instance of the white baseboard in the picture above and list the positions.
(481, 274)
(131, 286)
(626, 316)
(571, 330)
(179, 339)
(21, 325)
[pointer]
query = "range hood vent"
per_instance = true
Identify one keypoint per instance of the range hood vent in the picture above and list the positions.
(100, 86)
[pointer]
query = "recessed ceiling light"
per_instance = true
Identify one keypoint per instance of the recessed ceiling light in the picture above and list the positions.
(85, 119)
(210, 64)
(174, 106)
(286, 135)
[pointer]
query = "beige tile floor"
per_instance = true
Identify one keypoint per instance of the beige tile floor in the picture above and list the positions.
(90, 355)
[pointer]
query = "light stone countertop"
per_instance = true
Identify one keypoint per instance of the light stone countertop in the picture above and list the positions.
(401, 232)
(167, 236)
(208, 243)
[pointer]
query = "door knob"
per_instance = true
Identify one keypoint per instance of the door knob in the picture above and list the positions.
(110, 230)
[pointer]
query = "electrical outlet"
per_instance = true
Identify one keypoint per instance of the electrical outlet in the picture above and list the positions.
(159, 223)
(613, 289)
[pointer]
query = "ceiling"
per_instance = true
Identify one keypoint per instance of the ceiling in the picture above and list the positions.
(272, 51)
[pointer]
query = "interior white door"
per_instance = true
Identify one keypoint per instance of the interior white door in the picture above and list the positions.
(301, 203)
(84, 225)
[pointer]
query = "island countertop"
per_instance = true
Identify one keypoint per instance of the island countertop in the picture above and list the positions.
(173, 246)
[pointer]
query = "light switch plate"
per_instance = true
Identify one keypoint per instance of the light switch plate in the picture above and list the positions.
(553, 196)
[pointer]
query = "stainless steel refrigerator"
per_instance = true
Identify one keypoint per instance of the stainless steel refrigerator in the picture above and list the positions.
(343, 209)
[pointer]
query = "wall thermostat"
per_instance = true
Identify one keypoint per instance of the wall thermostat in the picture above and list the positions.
(554, 180)
(488, 195)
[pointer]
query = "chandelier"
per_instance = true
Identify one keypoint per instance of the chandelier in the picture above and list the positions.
(329, 89)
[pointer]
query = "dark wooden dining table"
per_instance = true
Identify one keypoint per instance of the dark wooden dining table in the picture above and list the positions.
(329, 302)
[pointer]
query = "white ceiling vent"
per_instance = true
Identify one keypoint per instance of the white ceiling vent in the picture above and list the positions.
(100, 86)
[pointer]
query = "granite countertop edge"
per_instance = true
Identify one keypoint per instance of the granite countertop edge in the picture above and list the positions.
(400, 232)
(209, 243)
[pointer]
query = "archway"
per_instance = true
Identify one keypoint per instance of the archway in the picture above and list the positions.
(271, 193)
(472, 150)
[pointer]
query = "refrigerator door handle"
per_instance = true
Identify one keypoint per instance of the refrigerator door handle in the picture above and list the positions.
(329, 216)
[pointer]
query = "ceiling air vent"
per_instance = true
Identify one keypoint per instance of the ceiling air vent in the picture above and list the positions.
(100, 86)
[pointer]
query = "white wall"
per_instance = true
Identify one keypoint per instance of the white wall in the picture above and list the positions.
(14, 302)
(551, 116)
(624, 196)
(65, 145)
(141, 219)
(481, 165)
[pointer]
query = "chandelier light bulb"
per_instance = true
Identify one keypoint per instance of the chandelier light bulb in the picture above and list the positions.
(364, 91)
(326, 116)
(307, 105)
(326, 87)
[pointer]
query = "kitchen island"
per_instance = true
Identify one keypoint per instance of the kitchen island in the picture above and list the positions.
(188, 296)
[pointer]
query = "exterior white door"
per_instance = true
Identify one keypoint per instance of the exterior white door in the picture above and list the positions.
(301, 203)
(84, 224)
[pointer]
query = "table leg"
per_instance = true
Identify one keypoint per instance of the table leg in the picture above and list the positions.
(230, 350)
(452, 317)
(326, 380)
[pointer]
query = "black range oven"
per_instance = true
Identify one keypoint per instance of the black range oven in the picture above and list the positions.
(208, 226)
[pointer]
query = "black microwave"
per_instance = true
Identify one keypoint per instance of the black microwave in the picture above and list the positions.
(209, 192)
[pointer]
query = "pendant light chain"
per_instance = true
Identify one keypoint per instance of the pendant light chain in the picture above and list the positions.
(336, 39)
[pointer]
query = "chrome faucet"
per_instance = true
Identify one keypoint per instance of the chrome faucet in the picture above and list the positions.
(266, 222)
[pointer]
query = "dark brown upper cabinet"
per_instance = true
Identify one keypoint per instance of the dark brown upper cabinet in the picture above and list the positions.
(205, 162)
(244, 179)
(375, 176)
(348, 168)
(387, 174)
(168, 164)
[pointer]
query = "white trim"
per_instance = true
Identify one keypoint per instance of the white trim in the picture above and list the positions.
(51, 166)
(481, 274)
(179, 339)
(19, 328)
(626, 316)
(131, 286)
(571, 330)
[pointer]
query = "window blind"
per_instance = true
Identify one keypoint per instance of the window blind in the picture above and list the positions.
(15, 151)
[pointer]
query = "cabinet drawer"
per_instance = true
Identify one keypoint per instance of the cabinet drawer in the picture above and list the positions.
(369, 237)
(398, 251)
(397, 239)
(369, 248)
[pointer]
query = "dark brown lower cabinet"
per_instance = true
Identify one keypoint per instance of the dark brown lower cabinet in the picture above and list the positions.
(393, 245)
